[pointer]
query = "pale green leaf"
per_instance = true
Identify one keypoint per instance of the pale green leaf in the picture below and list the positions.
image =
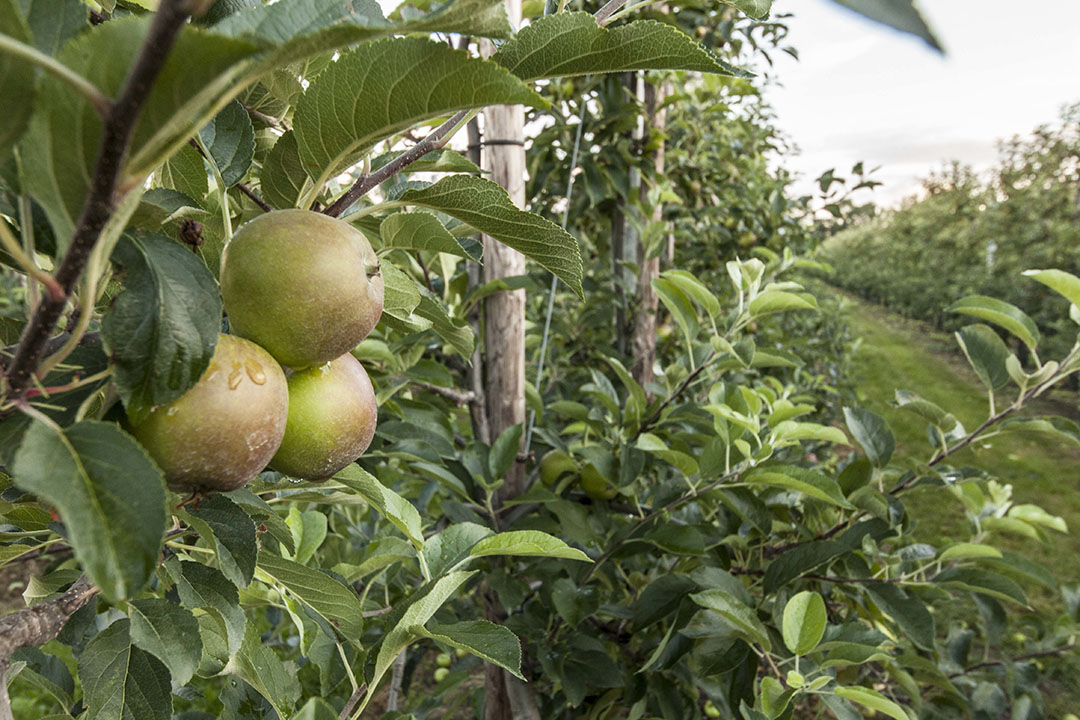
(693, 289)
(16, 77)
(395, 508)
(261, 668)
(485, 206)
(968, 551)
(283, 179)
(873, 700)
(774, 301)
(485, 640)
(742, 618)
(757, 9)
(419, 231)
(789, 477)
(333, 601)
(450, 547)
(1065, 284)
(109, 494)
(456, 332)
(804, 622)
(573, 43)
(1000, 313)
(527, 543)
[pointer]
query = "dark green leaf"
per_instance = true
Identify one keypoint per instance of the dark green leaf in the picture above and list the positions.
(283, 177)
(201, 586)
(230, 140)
(986, 352)
(260, 667)
(122, 682)
(233, 533)
(982, 581)
(504, 451)
(109, 494)
(326, 596)
(419, 231)
(16, 77)
(486, 640)
(449, 547)
(162, 330)
(908, 613)
(170, 633)
(872, 433)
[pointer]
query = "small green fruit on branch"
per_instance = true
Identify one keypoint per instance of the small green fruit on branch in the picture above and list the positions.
(124, 112)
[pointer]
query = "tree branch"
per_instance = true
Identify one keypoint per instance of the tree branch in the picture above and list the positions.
(434, 141)
(100, 203)
(39, 624)
(1029, 656)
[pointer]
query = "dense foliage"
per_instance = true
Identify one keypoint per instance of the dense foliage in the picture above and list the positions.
(726, 541)
(978, 232)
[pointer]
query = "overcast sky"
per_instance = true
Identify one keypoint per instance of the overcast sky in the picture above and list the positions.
(863, 92)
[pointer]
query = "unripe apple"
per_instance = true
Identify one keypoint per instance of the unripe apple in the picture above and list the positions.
(711, 710)
(332, 415)
(440, 674)
(442, 660)
(304, 285)
(595, 485)
(461, 653)
(222, 431)
(554, 464)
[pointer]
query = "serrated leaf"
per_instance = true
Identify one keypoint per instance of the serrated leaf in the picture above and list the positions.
(16, 77)
(742, 618)
(416, 615)
(900, 14)
(161, 331)
(573, 43)
(122, 682)
(442, 161)
(401, 295)
(804, 622)
(774, 301)
(757, 9)
(986, 352)
(526, 543)
(204, 587)
(262, 669)
(485, 206)
(283, 179)
(46, 672)
(808, 482)
(109, 494)
(486, 640)
(456, 332)
(395, 508)
(446, 549)
(1000, 313)
(419, 231)
(233, 535)
(874, 700)
(170, 633)
(384, 87)
(185, 172)
(872, 433)
(230, 140)
(326, 596)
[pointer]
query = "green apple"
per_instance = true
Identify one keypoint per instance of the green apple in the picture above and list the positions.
(461, 653)
(440, 674)
(711, 710)
(332, 415)
(554, 465)
(223, 431)
(442, 660)
(304, 285)
(595, 485)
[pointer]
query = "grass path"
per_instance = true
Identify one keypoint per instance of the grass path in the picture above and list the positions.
(897, 353)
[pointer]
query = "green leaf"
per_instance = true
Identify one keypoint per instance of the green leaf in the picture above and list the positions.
(968, 551)
(326, 596)
(808, 482)
(653, 445)
(911, 615)
(206, 588)
(872, 433)
(46, 672)
(1001, 314)
(504, 451)
(693, 289)
(395, 508)
(122, 682)
(384, 87)
(484, 639)
(573, 43)
(230, 140)
(233, 533)
(54, 22)
(678, 304)
(1065, 284)
(308, 531)
(16, 77)
(446, 549)
(526, 543)
(982, 581)
(170, 633)
(401, 294)
(925, 409)
(1035, 515)
(804, 622)
(873, 700)
(774, 301)
(742, 618)
(792, 431)
(441, 161)
(900, 14)
(986, 352)
(316, 709)
(262, 669)
(283, 179)
(757, 9)
(456, 332)
(160, 331)
(419, 231)
(109, 494)
(485, 206)
(185, 172)
(416, 615)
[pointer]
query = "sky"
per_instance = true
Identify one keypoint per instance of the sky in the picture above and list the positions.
(861, 91)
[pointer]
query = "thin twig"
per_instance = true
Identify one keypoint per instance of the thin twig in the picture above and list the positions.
(265, 119)
(1029, 656)
(458, 397)
(254, 197)
(434, 141)
(100, 202)
(609, 9)
(354, 700)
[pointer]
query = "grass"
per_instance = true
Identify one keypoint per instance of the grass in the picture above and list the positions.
(897, 353)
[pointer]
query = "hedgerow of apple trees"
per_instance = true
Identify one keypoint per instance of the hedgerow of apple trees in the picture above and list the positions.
(718, 567)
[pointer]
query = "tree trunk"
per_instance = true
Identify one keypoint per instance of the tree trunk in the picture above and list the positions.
(478, 406)
(644, 338)
(504, 328)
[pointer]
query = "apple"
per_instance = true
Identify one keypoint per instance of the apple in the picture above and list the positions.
(440, 674)
(304, 285)
(595, 484)
(332, 415)
(443, 660)
(224, 429)
(711, 710)
(554, 465)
